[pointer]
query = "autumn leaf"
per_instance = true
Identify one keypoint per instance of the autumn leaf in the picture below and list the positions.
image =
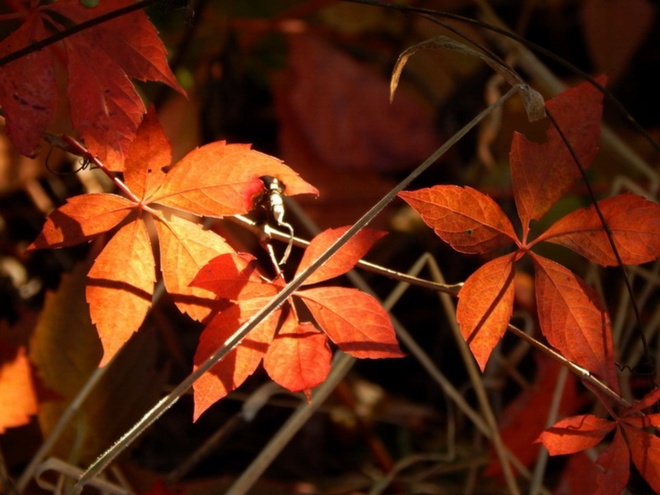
(645, 453)
(485, 305)
(573, 319)
(296, 354)
(104, 106)
(120, 287)
(121, 281)
(542, 173)
(576, 433)
(18, 399)
(468, 220)
(298, 357)
(343, 260)
(633, 221)
(353, 320)
(615, 464)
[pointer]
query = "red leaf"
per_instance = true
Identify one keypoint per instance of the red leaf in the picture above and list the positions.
(485, 305)
(576, 433)
(120, 286)
(645, 453)
(105, 107)
(299, 357)
(146, 157)
(615, 461)
(647, 401)
(468, 220)
(241, 361)
(573, 320)
(643, 421)
(222, 179)
(542, 173)
(28, 94)
(344, 259)
(131, 40)
(579, 475)
(81, 218)
(185, 247)
(353, 320)
(633, 221)
(18, 399)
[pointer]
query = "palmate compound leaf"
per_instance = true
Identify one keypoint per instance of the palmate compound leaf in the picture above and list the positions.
(468, 220)
(485, 305)
(344, 259)
(633, 221)
(299, 357)
(573, 319)
(541, 173)
(104, 106)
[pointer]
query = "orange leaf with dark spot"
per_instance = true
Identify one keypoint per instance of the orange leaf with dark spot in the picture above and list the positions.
(468, 220)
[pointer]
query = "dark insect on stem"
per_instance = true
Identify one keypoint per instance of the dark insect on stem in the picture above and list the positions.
(275, 204)
(83, 163)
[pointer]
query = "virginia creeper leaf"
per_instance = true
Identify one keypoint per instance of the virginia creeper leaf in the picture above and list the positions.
(643, 421)
(120, 286)
(573, 320)
(647, 401)
(224, 179)
(28, 94)
(230, 276)
(299, 357)
(615, 461)
(633, 221)
(344, 259)
(105, 107)
(81, 218)
(18, 399)
(241, 361)
(353, 320)
(542, 173)
(485, 305)
(645, 453)
(147, 155)
(576, 433)
(468, 220)
(185, 247)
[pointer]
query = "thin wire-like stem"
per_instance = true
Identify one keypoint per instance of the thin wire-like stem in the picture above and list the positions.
(166, 402)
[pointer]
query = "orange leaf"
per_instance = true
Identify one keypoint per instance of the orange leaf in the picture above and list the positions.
(353, 320)
(615, 463)
(645, 453)
(299, 356)
(576, 433)
(573, 320)
(485, 304)
(185, 247)
(81, 218)
(146, 157)
(232, 276)
(241, 361)
(542, 173)
(28, 94)
(468, 220)
(647, 401)
(18, 399)
(344, 259)
(120, 286)
(633, 221)
(643, 421)
(222, 179)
